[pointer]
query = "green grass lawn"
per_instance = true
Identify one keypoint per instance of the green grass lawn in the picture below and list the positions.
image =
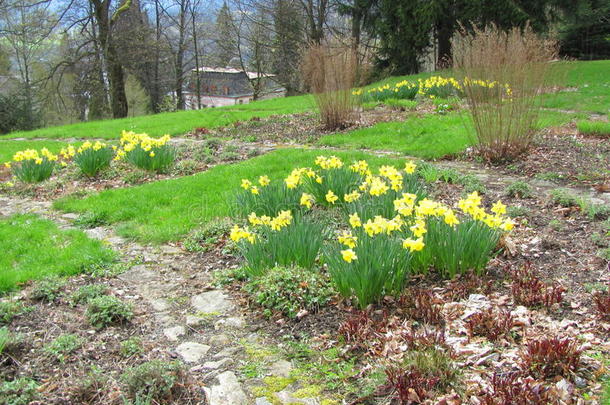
(595, 128)
(9, 148)
(167, 210)
(592, 82)
(174, 123)
(429, 137)
(33, 248)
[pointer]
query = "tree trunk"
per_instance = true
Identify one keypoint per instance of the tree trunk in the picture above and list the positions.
(116, 77)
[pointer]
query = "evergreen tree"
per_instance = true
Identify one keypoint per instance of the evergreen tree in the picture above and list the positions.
(226, 43)
(586, 32)
(288, 27)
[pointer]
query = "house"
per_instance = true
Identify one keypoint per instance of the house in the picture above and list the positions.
(228, 86)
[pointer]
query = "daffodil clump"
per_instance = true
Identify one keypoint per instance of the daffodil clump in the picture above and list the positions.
(486, 90)
(264, 197)
(403, 90)
(392, 230)
(90, 157)
(373, 257)
(432, 87)
(32, 166)
(282, 240)
(153, 154)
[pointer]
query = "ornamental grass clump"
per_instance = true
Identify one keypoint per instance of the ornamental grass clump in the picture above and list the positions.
(278, 241)
(90, 158)
(502, 74)
(330, 72)
(31, 166)
(152, 154)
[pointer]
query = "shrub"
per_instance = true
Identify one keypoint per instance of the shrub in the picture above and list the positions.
(87, 292)
(157, 381)
(491, 324)
(63, 345)
(47, 289)
(107, 310)
(550, 357)
(529, 290)
(90, 158)
(594, 128)
(519, 189)
(281, 240)
(289, 290)
(330, 73)
(29, 166)
(516, 63)
(145, 152)
(20, 391)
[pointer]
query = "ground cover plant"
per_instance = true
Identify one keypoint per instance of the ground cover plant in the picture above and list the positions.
(34, 248)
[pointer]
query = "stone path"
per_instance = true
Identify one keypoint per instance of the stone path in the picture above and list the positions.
(206, 329)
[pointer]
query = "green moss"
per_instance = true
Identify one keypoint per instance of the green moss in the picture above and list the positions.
(310, 391)
(272, 385)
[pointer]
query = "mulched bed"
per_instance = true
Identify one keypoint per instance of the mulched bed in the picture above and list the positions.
(564, 156)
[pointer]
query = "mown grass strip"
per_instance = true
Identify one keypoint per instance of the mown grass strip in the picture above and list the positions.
(172, 123)
(33, 248)
(167, 210)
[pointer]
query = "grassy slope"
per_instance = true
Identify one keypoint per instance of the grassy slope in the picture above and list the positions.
(169, 209)
(431, 136)
(428, 137)
(175, 123)
(8, 148)
(592, 82)
(33, 248)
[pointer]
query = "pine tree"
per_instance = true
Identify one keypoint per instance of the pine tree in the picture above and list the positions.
(226, 43)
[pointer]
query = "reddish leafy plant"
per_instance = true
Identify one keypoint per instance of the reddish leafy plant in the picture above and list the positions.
(421, 305)
(513, 389)
(465, 284)
(529, 290)
(601, 299)
(491, 324)
(410, 386)
(550, 357)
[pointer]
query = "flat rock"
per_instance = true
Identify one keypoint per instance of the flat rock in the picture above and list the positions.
(192, 352)
(97, 233)
(212, 302)
(174, 332)
(262, 401)
(228, 391)
(70, 216)
(281, 368)
(170, 250)
(220, 340)
(213, 365)
(138, 274)
(232, 322)
(286, 397)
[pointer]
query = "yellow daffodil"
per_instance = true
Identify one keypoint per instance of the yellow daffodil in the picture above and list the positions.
(331, 197)
(349, 255)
